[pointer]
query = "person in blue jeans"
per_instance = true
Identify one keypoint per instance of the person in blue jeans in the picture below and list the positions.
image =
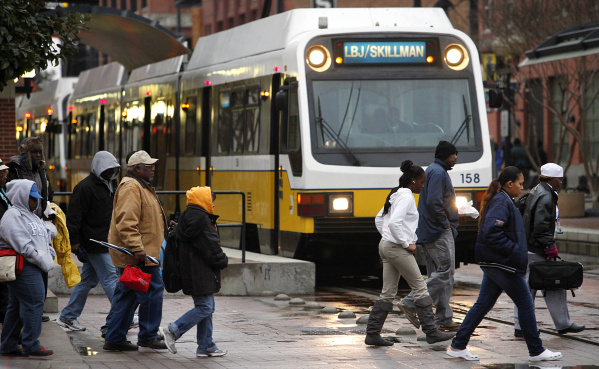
(24, 232)
(501, 252)
(201, 259)
(88, 217)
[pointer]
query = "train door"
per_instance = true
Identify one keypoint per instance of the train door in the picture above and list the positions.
(290, 155)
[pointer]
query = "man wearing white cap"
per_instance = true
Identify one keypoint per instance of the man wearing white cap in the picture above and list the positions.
(138, 224)
(541, 221)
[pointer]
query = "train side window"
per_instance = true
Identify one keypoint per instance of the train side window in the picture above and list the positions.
(111, 131)
(290, 130)
(237, 120)
(252, 120)
(91, 136)
(224, 122)
(190, 125)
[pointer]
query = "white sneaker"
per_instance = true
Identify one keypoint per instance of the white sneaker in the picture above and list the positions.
(464, 354)
(204, 353)
(546, 356)
(71, 324)
(169, 339)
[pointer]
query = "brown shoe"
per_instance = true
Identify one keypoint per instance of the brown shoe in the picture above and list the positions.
(450, 327)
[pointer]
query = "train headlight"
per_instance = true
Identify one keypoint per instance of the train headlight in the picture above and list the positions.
(341, 203)
(318, 58)
(456, 57)
(462, 200)
(325, 204)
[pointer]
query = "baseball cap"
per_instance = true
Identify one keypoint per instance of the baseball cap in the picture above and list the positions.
(552, 170)
(2, 166)
(33, 192)
(141, 157)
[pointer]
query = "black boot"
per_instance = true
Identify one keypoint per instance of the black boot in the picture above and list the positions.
(424, 309)
(377, 318)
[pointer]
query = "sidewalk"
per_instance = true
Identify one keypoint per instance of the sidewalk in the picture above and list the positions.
(259, 332)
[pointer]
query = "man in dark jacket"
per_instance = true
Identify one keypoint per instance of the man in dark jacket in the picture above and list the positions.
(437, 223)
(30, 164)
(201, 260)
(88, 217)
(541, 221)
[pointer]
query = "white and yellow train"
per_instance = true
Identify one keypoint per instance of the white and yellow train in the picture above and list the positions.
(309, 113)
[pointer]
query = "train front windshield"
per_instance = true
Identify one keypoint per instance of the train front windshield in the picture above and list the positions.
(391, 115)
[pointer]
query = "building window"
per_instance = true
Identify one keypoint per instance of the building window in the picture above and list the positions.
(133, 6)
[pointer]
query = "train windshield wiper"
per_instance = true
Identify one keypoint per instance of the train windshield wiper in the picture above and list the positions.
(465, 126)
(327, 131)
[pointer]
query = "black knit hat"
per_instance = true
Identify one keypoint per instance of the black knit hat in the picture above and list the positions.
(444, 150)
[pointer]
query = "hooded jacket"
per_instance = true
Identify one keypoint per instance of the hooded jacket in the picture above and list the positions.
(90, 208)
(24, 231)
(200, 256)
(401, 221)
(540, 214)
(437, 204)
(501, 242)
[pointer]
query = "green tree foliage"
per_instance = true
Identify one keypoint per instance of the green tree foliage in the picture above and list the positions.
(26, 37)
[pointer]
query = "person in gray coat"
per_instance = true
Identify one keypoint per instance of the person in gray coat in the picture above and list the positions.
(24, 232)
(541, 222)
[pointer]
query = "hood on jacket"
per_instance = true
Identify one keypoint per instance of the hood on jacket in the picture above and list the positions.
(18, 193)
(202, 197)
(402, 191)
(102, 161)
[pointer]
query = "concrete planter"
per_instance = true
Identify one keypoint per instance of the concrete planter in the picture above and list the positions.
(571, 204)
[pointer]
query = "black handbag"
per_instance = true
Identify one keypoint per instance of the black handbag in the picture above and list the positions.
(555, 275)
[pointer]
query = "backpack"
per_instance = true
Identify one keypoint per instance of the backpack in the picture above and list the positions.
(171, 274)
(521, 203)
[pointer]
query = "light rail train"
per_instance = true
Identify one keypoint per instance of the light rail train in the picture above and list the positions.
(309, 112)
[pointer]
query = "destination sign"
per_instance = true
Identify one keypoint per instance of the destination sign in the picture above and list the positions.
(384, 52)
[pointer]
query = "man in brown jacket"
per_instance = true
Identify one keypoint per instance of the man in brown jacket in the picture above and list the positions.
(138, 224)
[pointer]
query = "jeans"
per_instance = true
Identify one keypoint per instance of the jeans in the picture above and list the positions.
(200, 315)
(495, 281)
(126, 300)
(556, 300)
(98, 269)
(398, 262)
(440, 266)
(26, 296)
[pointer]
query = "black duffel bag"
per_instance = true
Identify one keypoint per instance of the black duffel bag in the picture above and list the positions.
(555, 275)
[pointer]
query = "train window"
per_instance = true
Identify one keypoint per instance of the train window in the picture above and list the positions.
(90, 148)
(190, 125)
(252, 120)
(111, 131)
(237, 119)
(224, 121)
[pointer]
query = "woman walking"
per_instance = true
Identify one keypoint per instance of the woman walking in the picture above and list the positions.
(501, 253)
(397, 222)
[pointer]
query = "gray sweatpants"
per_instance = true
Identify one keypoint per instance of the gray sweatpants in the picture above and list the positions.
(440, 267)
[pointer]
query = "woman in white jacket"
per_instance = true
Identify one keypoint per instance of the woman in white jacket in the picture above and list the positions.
(23, 231)
(397, 222)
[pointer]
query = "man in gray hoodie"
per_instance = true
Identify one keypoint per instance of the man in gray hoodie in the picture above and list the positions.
(25, 233)
(88, 217)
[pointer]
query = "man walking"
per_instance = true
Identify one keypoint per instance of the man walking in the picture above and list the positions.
(437, 223)
(88, 217)
(138, 224)
(541, 222)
